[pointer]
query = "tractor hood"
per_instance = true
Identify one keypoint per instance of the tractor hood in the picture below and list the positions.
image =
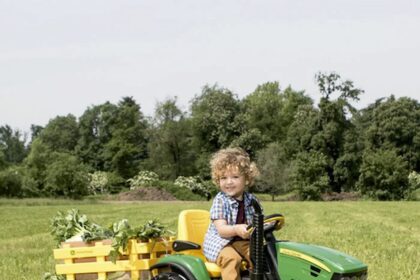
(325, 258)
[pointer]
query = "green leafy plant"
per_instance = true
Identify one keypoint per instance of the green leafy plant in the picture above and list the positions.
(72, 224)
(152, 229)
(123, 232)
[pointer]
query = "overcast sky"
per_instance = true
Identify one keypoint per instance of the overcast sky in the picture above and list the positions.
(60, 57)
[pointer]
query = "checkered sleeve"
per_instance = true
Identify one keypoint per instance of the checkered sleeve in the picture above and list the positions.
(213, 242)
(217, 209)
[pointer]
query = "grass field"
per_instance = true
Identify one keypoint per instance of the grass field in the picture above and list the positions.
(385, 235)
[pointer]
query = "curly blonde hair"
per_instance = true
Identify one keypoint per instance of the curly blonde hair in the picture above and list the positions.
(233, 159)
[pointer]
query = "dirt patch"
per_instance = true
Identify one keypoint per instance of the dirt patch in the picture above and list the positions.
(145, 194)
(352, 196)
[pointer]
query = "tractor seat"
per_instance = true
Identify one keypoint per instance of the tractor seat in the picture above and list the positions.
(192, 226)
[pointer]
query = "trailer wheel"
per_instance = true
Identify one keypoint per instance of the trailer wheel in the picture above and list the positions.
(169, 276)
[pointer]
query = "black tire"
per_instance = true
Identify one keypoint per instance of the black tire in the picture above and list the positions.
(169, 276)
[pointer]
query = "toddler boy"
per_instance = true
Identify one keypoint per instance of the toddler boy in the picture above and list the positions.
(227, 240)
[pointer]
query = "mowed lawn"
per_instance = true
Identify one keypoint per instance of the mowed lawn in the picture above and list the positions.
(385, 235)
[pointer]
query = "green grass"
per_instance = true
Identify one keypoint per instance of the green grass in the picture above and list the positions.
(384, 235)
(281, 197)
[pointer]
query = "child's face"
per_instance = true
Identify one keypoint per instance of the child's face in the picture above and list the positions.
(232, 183)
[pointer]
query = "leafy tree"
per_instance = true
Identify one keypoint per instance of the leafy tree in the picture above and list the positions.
(215, 123)
(271, 111)
(331, 83)
(61, 133)
(274, 168)
(113, 137)
(12, 145)
(383, 175)
(263, 110)
(309, 175)
(35, 131)
(95, 129)
(39, 157)
(346, 167)
(292, 101)
(127, 146)
(324, 130)
(390, 135)
(169, 148)
(251, 141)
(333, 121)
(3, 163)
(202, 163)
(395, 124)
(65, 176)
(302, 130)
(88, 144)
(42, 162)
(214, 118)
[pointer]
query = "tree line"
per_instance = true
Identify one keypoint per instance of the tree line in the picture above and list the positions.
(298, 145)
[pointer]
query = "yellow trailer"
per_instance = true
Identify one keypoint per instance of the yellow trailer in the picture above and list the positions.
(85, 261)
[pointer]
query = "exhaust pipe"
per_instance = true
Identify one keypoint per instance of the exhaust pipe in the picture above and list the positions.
(257, 243)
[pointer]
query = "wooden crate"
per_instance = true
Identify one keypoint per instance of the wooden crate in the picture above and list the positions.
(83, 261)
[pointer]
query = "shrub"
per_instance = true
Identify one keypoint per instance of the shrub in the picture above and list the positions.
(115, 183)
(66, 177)
(309, 176)
(414, 180)
(413, 190)
(383, 175)
(211, 188)
(179, 193)
(195, 185)
(11, 182)
(98, 182)
(143, 179)
(30, 186)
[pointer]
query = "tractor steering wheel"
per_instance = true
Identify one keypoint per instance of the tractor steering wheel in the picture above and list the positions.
(271, 222)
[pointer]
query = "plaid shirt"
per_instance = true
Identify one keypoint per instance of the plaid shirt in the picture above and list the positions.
(226, 208)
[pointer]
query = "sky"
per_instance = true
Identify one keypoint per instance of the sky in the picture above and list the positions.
(61, 57)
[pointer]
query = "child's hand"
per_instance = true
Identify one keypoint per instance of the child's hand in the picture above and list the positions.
(241, 231)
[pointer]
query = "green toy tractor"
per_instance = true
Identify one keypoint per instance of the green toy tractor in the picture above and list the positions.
(272, 259)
